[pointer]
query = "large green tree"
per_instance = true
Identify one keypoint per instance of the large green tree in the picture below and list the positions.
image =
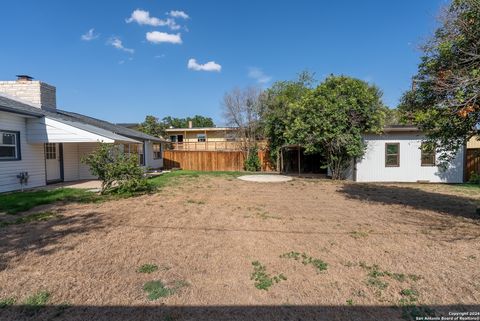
(332, 118)
(276, 101)
(155, 127)
(445, 98)
(197, 121)
(152, 126)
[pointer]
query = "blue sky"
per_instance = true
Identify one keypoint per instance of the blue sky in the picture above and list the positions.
(117, 74)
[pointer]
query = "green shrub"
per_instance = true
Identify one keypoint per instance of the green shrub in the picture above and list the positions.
(119, 172)
(474, 178)
(252, 163)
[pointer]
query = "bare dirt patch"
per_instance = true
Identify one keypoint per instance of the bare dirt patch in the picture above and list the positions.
(383, 245)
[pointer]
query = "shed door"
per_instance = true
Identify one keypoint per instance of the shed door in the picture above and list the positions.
(53, 162)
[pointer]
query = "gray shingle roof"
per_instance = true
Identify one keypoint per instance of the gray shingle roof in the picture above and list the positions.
(14, 106)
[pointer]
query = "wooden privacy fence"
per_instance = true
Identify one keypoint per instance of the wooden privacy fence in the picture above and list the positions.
(473, 162)
(210, 160)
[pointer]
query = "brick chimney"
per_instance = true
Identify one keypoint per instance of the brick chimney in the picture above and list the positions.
(35, 92)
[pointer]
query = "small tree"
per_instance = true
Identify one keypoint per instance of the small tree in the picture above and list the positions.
(332, 118)
(119, 172)
(252, 163)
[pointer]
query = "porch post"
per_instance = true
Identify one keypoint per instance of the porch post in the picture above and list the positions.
(298, 160)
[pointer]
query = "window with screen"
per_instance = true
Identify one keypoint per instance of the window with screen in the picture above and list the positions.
(157, 151)
(427, 155)
(136, 149)
(9, 145)
(392, 154)
(201, 138)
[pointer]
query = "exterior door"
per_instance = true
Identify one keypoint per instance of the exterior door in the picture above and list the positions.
(53, 161)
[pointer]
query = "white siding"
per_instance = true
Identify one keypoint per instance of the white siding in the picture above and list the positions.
(83, 169)
(32, 161)
(71, 162)
(372, 167)
(149, 161)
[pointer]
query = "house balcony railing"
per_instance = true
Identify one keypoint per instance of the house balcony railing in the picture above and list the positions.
(212, 146)
(209, 146)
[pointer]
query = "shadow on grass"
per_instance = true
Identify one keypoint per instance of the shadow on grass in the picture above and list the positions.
(453, 205)
(259, 313)
(43, 237)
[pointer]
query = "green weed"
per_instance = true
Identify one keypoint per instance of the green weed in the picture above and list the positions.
(147, 268)
(157, 289)
(263, 280)
(305, 259)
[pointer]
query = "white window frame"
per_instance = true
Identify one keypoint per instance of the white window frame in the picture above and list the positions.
(157, 154)
(15, 145)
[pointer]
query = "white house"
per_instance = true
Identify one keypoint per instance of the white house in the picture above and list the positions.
(48, 143)
(396, 156)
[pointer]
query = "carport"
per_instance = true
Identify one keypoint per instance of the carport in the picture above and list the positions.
(294, 160)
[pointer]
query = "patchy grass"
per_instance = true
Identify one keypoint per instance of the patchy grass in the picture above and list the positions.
(37, 301)
(409, 307)
(374, 271)
(37, 217)
(358, 234)
(173, 177)
(13, 203)
(317, 263)
(147, 268)
(6, 302)
(263, 280)
(190, 201)
(377, 283)
(157, 289)
(264, 215)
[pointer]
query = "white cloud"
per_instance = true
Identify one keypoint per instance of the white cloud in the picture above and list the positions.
(209, 66)
(258, 75)
(143, 17)
(159, 37)
(117, 43)
(178, 14)
(160, 56)
(90, 35)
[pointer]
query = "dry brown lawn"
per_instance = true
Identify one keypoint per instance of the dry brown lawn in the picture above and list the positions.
(205, 233)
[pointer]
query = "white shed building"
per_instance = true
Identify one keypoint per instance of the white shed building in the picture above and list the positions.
(396, 156)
